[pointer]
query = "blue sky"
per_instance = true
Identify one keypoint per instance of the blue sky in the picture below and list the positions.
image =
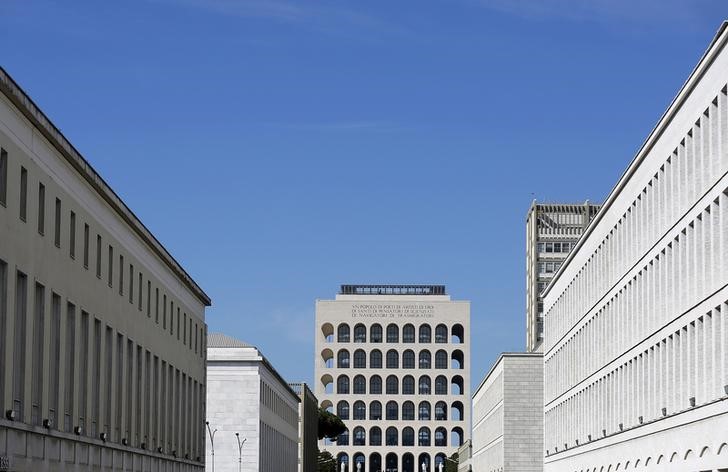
(281, 148)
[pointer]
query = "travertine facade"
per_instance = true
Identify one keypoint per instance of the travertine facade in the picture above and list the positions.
(636, 346)
(245, 395)
(394, 363)
(307, 428)
(102, 333)
(508, 416)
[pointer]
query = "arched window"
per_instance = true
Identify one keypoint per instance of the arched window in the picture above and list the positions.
(375, 333)
(408, 411)
(458, 334)
(360, 385)
(327, 329)
(359, 461)
(424, 411)
(408, 333)
(375, 410)
(375, 359)
(360, 436)
(375, 436)
(392, 359)
(360, 410)
(375, 385)
(391, 438)
(424, 385)
(456, 410)
(342, 384)
(439, 459)
(375, 459)
(424, 437)
(360, 333)
(441, 359)
(456, 385)
(342, 359)
(440, 437)
(408, 359)
(391, 462)
(360, 359)
(342, 410)
(408, 385)
(456, 437)
(441, 333)
(392, 385)
(342, 334)
(343, 439)
(457, 360)
(327, 355)
(441, 385)
(392, 413)
(425, 359)
(392, 333)
(408, 436)
(425, 333)
(441, 411)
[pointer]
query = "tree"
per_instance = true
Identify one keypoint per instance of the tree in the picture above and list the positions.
(329, 425)
(325, 462)
(451, 465)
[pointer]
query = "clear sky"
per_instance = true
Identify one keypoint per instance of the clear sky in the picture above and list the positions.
(281, 148)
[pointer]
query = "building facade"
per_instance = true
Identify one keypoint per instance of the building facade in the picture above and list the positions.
(102, 332)
(635, 350)
(252, 412)
(307, 428)
(552, 230)
(393, 361)
(508, 416)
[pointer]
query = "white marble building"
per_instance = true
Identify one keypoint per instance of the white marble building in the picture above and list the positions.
(393, 361)
(252, 413)
(636, 337)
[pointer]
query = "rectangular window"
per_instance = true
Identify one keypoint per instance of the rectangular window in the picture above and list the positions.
(139, 296)
(41, 209)
(164, 312)
(83, 373)
(155, 402)
(57, 230)
(98, 255)
(184, 334)
(565, 247)
(156, 305)
(557, 247)
(121, 274)
(72, 236)
(95, 381)
(23, 194)
(171, 317)
(129, 386)
(178, 325)
(138, 385)
(110, 272)
(549, 247)
(541, 247)
(119, 407)
(3, 326)
(149, 298)
(3, 177)
(85, 245)
(541, 267)
(21, 299)
(131, 283)
(69, 367)
(36, 392)
(55, 357)
(108, 380)
(196, 338)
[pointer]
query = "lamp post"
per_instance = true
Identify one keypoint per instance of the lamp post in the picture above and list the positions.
(212, 443)
(240, 451)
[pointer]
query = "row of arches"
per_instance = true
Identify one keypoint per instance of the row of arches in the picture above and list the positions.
(391, 462)
(391, 385)
(377, 334)
(675, 458)
(391, 437)
(344, 360)
(392, 412)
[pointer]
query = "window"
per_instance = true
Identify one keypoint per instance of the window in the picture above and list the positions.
(392, 359)
(3, 177)
(98, 255)
(440, 437)
(408, 334)
(36, 407)
(424, 387)
(121, 274)
(391, 436)
(41, 209)
(423, 437)
(541, 247)
(375, 436)
(342, 384)
(375, 411)
(440, 411)
(375, 385)
(441, 385)
(343, 439)
(72, 236)
(131, 292)
(360, 333)
(424, 411)
(3, 321)
(408, 411)
(408, 359)
(565, 247)
(441, 334)
(392, 411)
(139, 296)
(110, 271)
(57, 229)
(360, 436)
(425, 334)
(392, 333)
(149, 307)
(85, 245)
(360, 410)
(408, 436)
(83, 371)
(408, 385)
(360, 385)
(392, 385)
(441, 359)
(23, 194)
(375, 359)
(55, 357)
(360, 359)
(557, 247)
(425, 359)
(21, 298)
(541, 286)
(342, 359)
(343, 333)
(549, 247)
(375, 333)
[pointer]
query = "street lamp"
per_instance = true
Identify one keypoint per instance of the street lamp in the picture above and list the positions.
(212, 443)
(240, 451)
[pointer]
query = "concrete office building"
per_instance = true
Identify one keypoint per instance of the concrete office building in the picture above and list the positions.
(102, 332)
(251, 410)
(552, 229)
(307, 428)
(508, 416)
(635, 349)
(393, 362)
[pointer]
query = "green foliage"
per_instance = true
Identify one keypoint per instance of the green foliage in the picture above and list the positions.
(452, 464)
(325, 462)
(329, 425)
